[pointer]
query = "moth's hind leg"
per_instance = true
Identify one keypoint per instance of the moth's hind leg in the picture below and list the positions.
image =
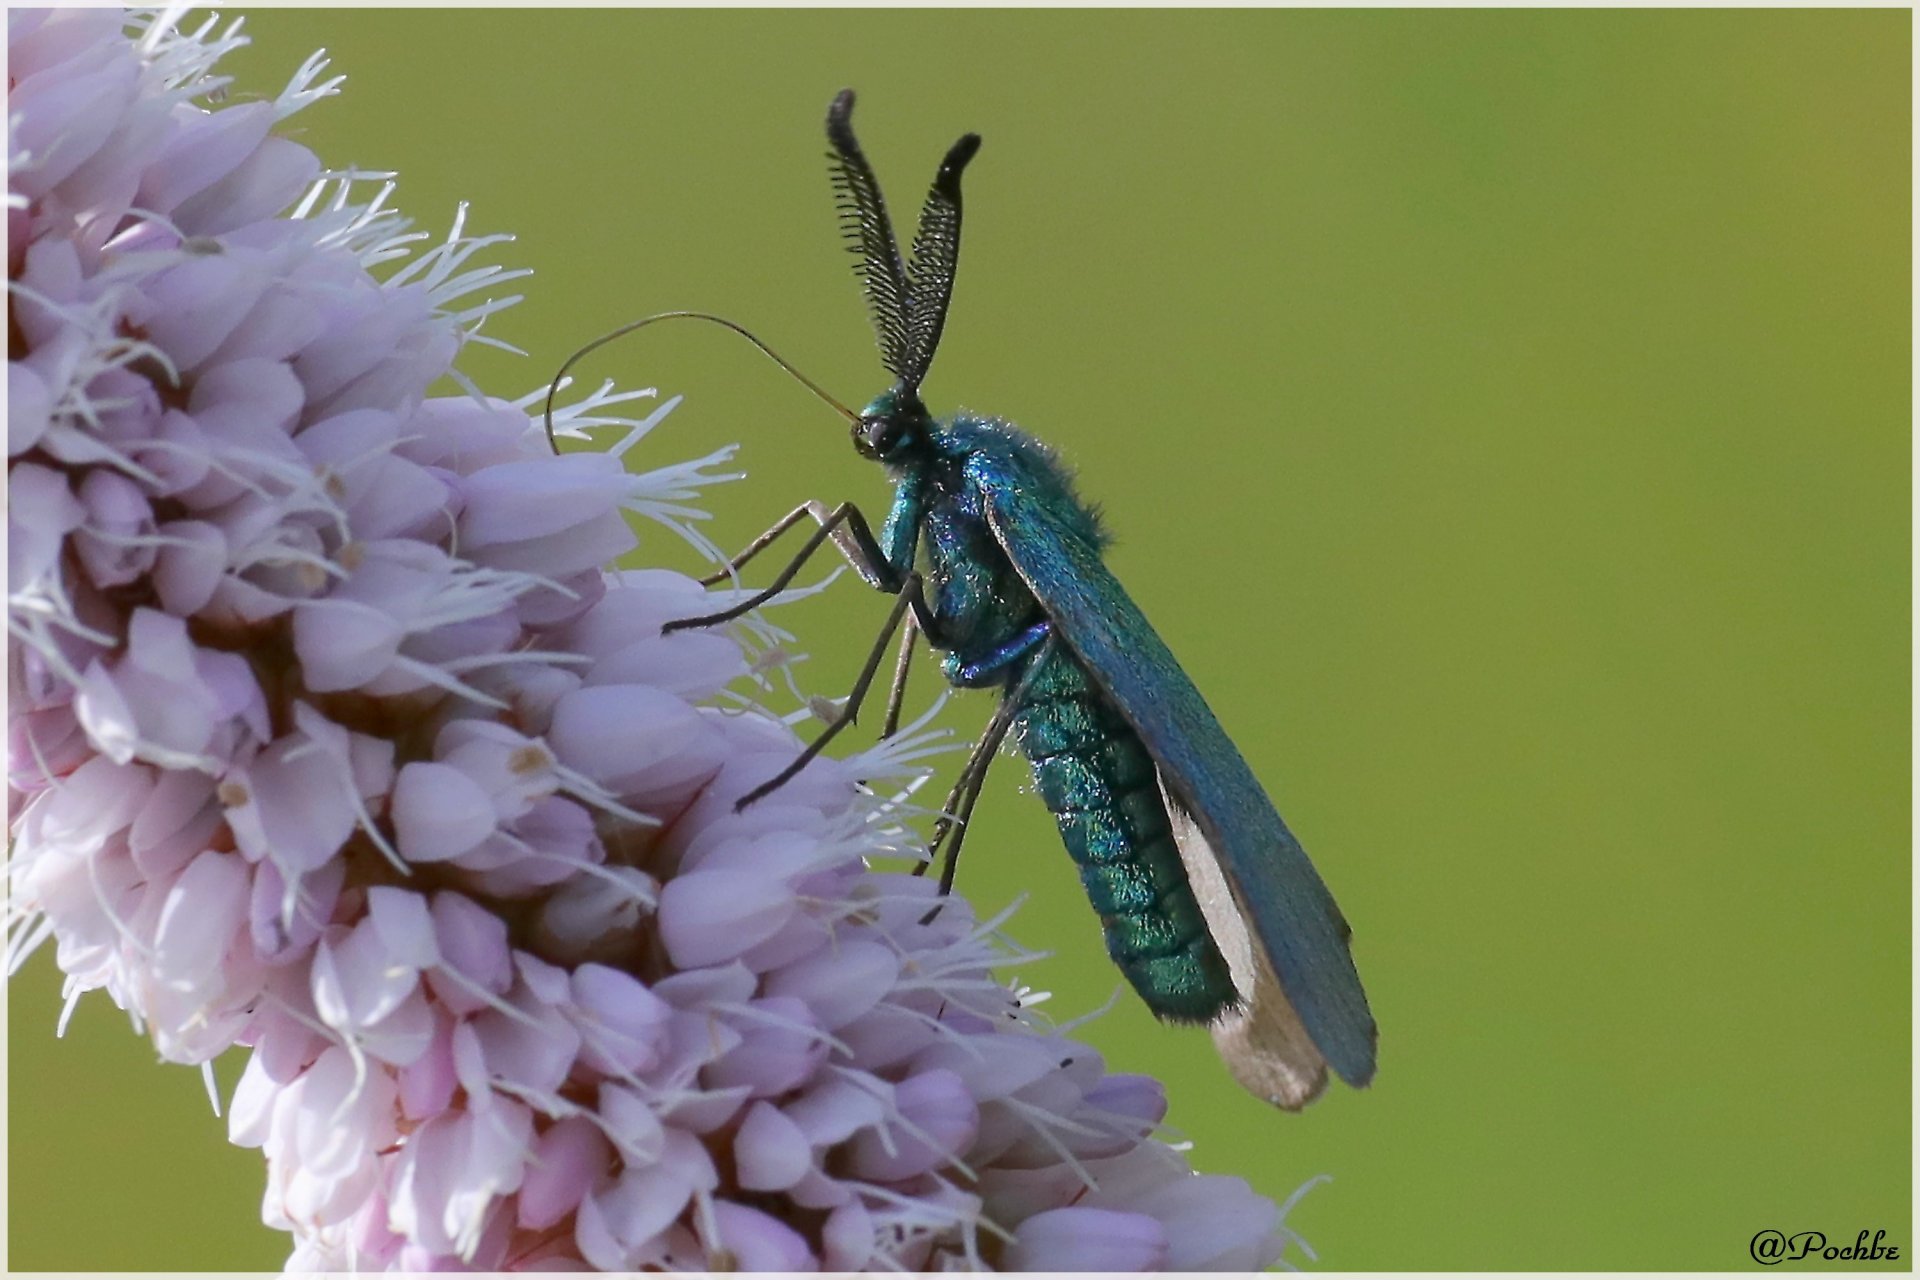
(902, 667)
(951, 830)
(957, 813)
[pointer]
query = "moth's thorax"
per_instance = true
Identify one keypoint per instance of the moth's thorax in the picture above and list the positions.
(989, 457)
(945, 489)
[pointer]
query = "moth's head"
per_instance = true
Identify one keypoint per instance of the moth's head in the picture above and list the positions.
(893, 427)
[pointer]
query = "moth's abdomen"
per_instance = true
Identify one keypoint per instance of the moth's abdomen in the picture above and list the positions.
(1100, 784)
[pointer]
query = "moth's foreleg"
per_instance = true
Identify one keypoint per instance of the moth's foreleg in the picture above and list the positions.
(909, 598)
(843, 525)
(855, 543)
(759, 544)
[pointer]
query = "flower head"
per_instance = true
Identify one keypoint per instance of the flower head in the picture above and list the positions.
(332, 737)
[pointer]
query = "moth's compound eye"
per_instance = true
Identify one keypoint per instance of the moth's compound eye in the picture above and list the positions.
(875, 436)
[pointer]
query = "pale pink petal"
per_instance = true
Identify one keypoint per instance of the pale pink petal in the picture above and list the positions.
(153, 703)
(357, 981)
(187, 568)
(1081, 1239)
(938, 1119)
(427, 1083)
(839, 983)
(780, 1049)
(770, 1150)
(116, 542)
(343, 644)
(289, 805)
(198, 303)
(749, 1240)
(531, 1052)
(567, 1160)
(204, 915)
(41, 511)
(267, 182)
(531, 498)
(29, 404)
(402, 921)
(710, 917)
(847, 1237)
(177, 821)
(621, 1022)
(472, 943)
(209, 148)
(617, 1225)
(438, 812)
(636, 741)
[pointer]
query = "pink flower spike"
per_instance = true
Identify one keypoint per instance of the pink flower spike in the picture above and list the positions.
(333, 735)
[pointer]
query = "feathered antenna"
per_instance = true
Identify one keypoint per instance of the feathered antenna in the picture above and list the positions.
(936, 256)
(869, 234)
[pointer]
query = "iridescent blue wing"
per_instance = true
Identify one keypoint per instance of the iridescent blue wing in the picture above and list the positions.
(1300, 932)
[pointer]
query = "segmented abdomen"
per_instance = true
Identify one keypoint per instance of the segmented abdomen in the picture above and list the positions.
(1099, 782)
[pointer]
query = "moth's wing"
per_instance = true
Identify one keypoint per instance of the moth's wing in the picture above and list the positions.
(1261, 1040)
(1300, 931)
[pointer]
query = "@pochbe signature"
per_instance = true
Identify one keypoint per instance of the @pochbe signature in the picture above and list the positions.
(1770, 1248)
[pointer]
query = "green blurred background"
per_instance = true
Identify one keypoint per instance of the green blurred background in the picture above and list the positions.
(1505, 416)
